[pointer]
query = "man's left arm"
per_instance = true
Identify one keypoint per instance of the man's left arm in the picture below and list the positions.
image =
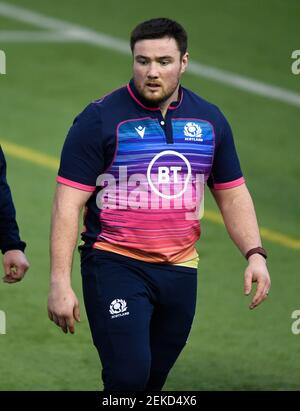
(239, 216)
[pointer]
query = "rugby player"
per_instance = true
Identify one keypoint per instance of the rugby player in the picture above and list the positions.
(136, 160)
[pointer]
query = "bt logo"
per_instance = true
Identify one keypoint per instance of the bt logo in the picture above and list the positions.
(164, 174)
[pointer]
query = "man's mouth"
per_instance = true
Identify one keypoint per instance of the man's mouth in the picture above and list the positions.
(153, 85)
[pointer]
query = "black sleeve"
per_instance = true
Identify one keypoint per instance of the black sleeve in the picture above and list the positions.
(9, 231)
(82, 158)
(226, 171)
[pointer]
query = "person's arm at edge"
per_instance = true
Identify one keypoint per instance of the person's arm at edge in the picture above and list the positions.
(239, 216)
(63, 306)
(15, 263)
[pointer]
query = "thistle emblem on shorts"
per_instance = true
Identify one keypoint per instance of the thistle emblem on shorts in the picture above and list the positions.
(117, 307)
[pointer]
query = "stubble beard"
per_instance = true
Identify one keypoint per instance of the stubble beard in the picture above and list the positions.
(153, 100)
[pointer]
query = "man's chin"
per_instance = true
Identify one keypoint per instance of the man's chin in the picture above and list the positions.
(153, 98)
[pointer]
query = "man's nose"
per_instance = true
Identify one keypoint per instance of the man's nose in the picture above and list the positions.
(153, 71)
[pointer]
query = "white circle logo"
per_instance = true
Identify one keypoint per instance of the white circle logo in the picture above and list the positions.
(192, 129)
(118, 306)
(175, 169)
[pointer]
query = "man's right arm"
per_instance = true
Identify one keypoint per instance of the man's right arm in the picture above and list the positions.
(63, 307)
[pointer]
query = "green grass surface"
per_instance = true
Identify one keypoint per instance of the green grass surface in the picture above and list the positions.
(46, 85)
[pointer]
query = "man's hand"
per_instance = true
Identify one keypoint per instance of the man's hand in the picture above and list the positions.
(257, 271)
(63, 306)
(15, 265)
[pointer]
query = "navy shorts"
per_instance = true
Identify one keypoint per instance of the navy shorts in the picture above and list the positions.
(140, 316)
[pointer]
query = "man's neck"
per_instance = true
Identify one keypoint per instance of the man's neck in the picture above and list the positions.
(165, 105)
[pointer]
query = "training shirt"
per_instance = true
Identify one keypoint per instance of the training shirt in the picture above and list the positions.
(9, 231)
(146, 173)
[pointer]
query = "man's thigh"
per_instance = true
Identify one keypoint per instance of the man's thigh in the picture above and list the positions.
(119, 310)
(171, 323)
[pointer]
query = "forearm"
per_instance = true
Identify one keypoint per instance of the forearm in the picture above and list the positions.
(64, 233)
(63, 305)
(240, 219)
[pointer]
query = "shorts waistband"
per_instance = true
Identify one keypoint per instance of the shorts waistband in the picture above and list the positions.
(87, 253)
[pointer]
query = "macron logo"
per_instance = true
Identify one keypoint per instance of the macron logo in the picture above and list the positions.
(140, 130)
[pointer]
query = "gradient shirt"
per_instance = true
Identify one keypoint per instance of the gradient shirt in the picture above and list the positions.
(147, 173)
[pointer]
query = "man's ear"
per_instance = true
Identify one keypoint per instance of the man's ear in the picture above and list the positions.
(184, 62)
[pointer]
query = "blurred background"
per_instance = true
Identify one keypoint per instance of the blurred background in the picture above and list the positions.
(62, 54)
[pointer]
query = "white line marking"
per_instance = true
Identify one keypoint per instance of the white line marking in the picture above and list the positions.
(80, 33)
(36, 36)
(246, 83)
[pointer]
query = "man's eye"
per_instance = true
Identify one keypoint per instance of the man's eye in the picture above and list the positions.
(164, 62)
(143, 62)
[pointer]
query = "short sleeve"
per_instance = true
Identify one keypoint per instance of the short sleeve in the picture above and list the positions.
(226, 171)
(82, 157)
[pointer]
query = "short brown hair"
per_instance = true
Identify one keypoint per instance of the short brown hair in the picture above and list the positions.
(158, 28)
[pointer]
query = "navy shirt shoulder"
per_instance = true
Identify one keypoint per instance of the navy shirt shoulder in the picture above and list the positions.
(226, 166)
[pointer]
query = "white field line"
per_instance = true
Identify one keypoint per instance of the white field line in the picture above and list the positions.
(80, 33)
(35, 36)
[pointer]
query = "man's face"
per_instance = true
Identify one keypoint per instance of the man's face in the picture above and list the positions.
(157, 69)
